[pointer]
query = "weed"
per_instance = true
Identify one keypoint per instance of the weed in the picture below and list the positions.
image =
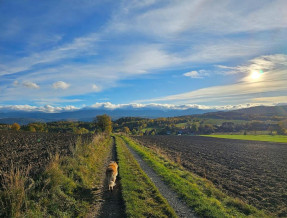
(12, 193)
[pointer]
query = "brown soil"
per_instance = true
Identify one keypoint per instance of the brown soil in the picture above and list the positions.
(254, 171)
(21, 149)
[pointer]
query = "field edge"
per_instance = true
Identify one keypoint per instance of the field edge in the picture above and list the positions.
(140, 195)
(199, 193)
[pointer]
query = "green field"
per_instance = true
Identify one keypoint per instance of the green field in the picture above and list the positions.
(266, 138)
(213, 122)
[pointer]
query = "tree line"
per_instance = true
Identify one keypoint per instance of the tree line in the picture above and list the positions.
(159, 126)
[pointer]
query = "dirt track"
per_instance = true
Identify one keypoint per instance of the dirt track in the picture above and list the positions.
(254, 171)
(181, 209)
(112, 205)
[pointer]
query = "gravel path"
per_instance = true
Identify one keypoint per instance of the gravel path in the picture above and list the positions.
(181, 209)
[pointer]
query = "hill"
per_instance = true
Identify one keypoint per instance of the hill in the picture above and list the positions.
(88, 114)
(253, 113)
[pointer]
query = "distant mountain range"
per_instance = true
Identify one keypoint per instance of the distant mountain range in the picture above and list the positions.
(88, 114)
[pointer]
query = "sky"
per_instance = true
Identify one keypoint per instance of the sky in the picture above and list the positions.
(70, 54)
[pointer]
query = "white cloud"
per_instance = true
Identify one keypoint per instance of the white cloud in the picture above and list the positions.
(196, 74)
(30, 85)
(192, 74)
(29, 108)
(60, 85)
(96, 88)
(110, 106)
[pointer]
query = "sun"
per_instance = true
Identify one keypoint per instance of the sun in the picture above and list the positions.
(255, 75)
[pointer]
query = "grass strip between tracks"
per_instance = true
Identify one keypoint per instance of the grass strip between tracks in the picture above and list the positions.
(141, 197)
(264, 138)
(63, 189)
(200, 194)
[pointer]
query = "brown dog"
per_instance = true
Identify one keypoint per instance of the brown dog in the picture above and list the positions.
(112, 172)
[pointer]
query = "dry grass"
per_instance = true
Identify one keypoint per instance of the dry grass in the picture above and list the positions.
(13, 191)
(62, 190)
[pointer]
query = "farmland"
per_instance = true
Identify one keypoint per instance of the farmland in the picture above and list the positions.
(65, 170)
(264, 138)
(36, 149)
(251, 170)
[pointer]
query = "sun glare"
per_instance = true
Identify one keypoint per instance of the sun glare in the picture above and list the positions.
(255, 75)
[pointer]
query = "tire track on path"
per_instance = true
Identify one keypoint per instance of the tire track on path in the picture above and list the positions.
(181, 209)
(113, 205)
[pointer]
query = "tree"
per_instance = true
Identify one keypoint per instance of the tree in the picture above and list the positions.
(15, 126)
(194, 127)
(208, 128)
(134, 131)
(280, 129)
(227, 127)
(153, 132)
(81, 131)
(126, 130)
(104, 123)
(31, 128)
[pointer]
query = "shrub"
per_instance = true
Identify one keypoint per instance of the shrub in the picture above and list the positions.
(15, 126)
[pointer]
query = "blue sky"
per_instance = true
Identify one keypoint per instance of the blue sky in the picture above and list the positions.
(70, 54)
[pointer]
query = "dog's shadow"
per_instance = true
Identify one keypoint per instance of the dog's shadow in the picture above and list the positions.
(88, 195)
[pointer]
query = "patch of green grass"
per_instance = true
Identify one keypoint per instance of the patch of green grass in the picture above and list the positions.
(181, 125)
(200, 194)
(141, 197)
(148, 129)
(267, 138)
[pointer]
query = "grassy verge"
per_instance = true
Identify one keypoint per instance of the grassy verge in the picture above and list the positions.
(141, 197)
(266, 138)
(63, 189)
(199, 193)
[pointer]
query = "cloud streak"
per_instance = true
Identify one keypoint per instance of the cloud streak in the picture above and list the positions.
(273, 81)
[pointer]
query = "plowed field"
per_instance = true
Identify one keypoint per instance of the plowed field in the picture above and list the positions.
(23, 148)
(254, 171)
